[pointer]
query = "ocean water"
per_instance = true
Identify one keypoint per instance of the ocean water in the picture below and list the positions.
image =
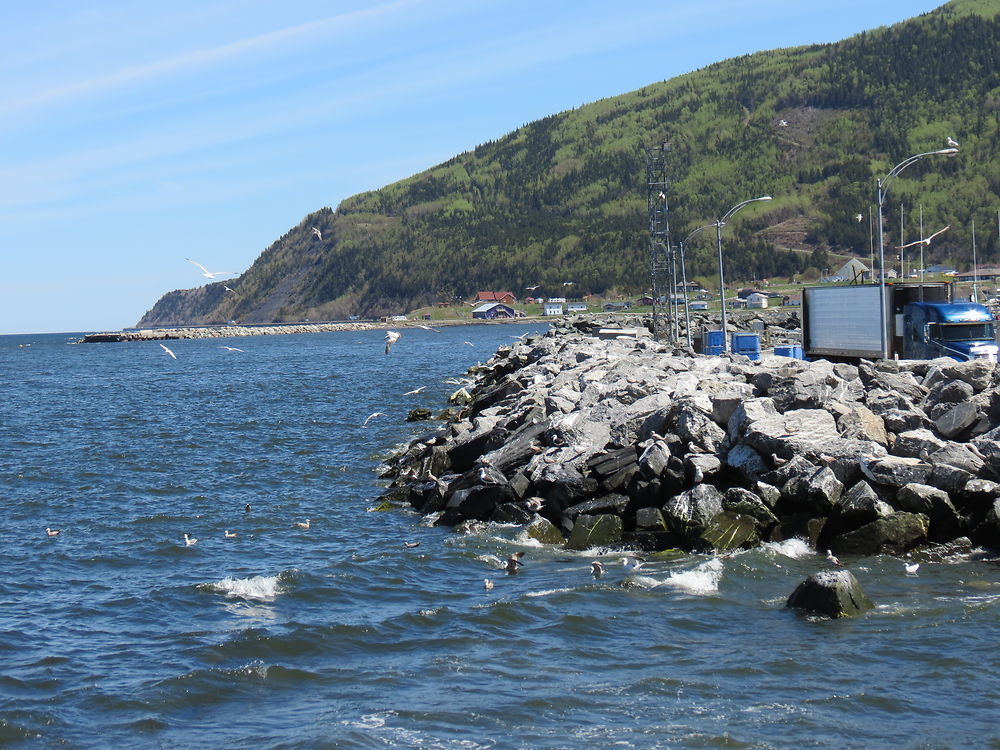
(115, 633)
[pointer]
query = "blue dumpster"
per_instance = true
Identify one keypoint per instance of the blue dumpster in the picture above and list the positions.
(713, 342)
(789, 350)
(747, 344)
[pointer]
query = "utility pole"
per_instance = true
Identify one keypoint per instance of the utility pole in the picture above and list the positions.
(661, 264)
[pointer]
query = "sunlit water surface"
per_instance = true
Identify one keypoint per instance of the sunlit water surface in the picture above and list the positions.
(116, 633)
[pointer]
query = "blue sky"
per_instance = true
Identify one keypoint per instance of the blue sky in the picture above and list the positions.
(137, 133)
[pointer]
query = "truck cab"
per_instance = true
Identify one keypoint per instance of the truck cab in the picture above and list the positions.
(960, 330)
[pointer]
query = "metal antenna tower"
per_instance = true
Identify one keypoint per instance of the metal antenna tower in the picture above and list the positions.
(660, 252)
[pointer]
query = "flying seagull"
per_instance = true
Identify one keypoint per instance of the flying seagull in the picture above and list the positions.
(532, 288)
(859, 217)
(391, 337)
(428, 328)
(782, 123)
(372, 416)
(211, 274)
(925, 240)
(230, 348)
(317, 232)
(228, 289)
(469, 343)
(415, 391)
(952, 143)
(568, 283)
(167, 350)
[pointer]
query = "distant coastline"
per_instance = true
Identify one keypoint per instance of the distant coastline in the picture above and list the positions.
(227, 331)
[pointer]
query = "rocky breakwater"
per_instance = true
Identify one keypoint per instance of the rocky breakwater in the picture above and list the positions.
(605, 442)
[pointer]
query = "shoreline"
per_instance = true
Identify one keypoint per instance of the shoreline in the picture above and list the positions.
(235, 331)
(590, 442)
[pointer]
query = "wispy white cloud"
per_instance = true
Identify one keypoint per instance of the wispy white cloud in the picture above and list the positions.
(196, 60)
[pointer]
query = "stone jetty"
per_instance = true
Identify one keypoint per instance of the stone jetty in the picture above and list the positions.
(591, 441)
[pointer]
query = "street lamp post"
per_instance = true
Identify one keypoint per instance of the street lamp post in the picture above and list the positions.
(883, 187)
(722, 279)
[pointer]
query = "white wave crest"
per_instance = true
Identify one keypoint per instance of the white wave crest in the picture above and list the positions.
(548, 592)
(701, 580)
(256, 588)
(795, 548)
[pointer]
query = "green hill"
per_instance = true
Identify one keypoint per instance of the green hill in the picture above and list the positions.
(564, 197)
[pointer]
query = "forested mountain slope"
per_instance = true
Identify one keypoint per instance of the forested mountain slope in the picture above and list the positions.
(564, 197)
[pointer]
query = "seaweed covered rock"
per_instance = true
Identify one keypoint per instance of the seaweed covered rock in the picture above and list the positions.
(830, 593)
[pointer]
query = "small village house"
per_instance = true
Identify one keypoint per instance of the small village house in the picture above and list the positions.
(552, 308)
(493, 311)
(506, 298)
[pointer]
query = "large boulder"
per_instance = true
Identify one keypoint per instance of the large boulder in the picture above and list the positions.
(894, 534)
(730, 530)
(831, 593)
(595, 531)
(946, 523)
(690, 512)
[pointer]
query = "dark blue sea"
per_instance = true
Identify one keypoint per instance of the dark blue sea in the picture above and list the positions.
(115, 633)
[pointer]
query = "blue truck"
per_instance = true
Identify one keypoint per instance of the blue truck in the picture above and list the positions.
(922, 320)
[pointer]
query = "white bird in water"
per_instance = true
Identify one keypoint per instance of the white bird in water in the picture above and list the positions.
(596, 569)
(925, 240)
(52, 532)
(167, 350)
(229, 534)
(189, 540)
(487, 584)
(372, 416)
(832, 558)
(303, 524)
(912, 568)
(391, 337)
(415, 391)
(411, 545)
(513, 563)
(317, 232)
(230, 348)
(211, 274)
(952, 143)
(633, 562)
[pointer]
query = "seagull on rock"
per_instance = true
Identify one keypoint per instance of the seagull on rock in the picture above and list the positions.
(832, 559)
(952, 143)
